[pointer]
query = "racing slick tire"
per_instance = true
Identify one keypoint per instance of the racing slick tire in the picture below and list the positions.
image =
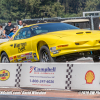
(96, 59)
(4, 58)
(44, 55)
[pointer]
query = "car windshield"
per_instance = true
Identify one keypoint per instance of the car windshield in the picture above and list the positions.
(51, 27)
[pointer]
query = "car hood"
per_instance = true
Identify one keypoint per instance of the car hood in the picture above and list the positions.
(78, 34)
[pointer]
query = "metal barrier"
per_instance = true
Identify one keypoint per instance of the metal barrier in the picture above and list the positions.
(51, 76)
(4, 40)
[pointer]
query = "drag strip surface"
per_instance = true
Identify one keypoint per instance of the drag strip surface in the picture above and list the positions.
(18, 97)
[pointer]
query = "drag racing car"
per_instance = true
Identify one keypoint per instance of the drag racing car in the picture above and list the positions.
(51, 42)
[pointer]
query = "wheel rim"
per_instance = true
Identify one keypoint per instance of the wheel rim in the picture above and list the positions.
(45, 57)
(5, 60)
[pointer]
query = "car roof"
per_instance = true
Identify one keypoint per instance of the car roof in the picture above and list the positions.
(40, 24)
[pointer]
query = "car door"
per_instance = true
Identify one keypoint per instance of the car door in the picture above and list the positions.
(21, 46)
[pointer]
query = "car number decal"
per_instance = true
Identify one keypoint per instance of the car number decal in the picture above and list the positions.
(20, 46)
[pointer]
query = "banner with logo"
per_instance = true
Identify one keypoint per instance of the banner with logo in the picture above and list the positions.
(43, 75)
(86, 77)
(8, 75)
(51, 76)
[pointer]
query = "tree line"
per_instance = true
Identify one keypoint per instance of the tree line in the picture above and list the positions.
(29, 9)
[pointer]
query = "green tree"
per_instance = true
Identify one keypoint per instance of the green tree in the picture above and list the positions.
(26, 9)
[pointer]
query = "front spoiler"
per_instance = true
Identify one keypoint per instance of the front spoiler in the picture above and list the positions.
(74, 50)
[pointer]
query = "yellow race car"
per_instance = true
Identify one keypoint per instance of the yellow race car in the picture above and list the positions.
(51, 42)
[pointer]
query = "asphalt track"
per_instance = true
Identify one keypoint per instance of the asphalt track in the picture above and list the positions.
(83, 60)
(18, 97)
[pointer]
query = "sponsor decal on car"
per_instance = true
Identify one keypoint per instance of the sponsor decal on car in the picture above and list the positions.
(19, 59)
(26, 54)
(15, 60)
(18, 56)
(4, 75)
(31, 57)
(34, 27)
(89, 77)
(29, 61)
(27, 57)
(30, 53)
(24, 58)
(35, 57)
(23, 55)
(34, 54)
(24, 61)
(11, 58)
(15, 57)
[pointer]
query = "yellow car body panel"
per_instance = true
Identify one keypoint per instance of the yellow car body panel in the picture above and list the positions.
(65, 42)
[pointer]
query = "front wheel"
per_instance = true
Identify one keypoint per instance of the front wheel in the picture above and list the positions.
(44, 55)
(4, 58)
(96, 59)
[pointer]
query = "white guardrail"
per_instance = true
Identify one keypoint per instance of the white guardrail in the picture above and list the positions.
(3, 40)
(51, 76)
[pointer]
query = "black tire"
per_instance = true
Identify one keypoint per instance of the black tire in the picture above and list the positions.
(96, 59)
(4, 58)
(44, 55)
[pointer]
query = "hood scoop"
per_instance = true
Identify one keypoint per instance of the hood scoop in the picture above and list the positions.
(88, 32)
(82, 32)
(79, 33)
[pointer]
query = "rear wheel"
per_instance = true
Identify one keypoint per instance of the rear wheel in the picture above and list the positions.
(44, 55)
(96, 59)
(4, 58)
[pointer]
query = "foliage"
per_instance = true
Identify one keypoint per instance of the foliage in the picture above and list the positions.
(27, 9)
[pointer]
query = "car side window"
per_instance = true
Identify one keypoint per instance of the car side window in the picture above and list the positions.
(23, 34)
(17, 35)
